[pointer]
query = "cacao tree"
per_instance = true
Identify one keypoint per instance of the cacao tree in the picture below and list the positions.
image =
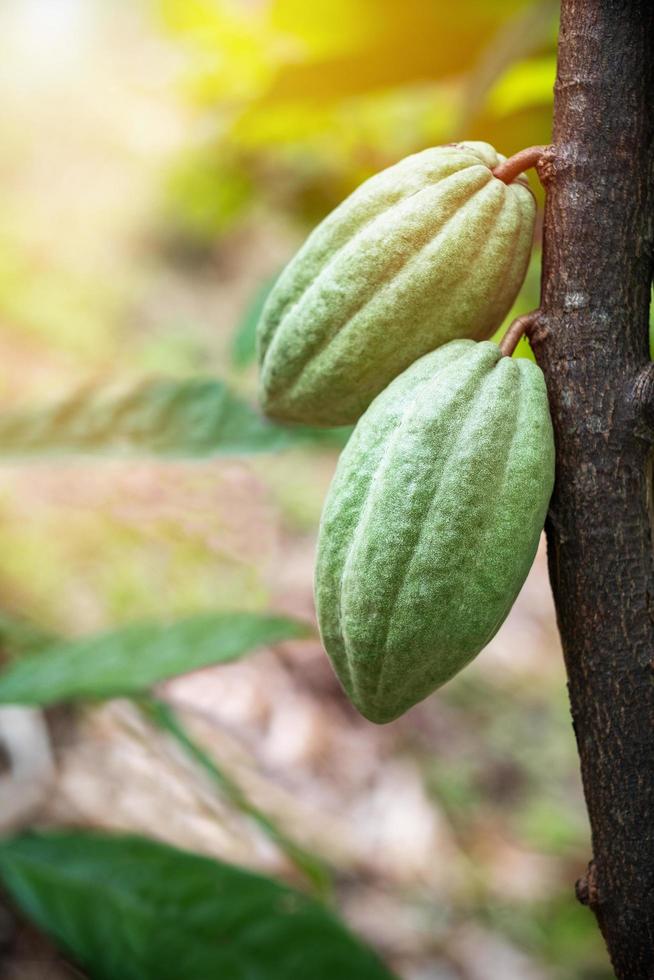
(592, 344)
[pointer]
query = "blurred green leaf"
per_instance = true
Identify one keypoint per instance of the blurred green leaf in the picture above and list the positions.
(206, 193)
(525, 32)
(131, 909)
(19, 637)
(305, 101)
(400, 44)
(526, 84)
(309, 864)
(195, 417)
(247, 630)
(286, 51)
(244, 342)
(528, 299)
(307, 435)
(129, 661)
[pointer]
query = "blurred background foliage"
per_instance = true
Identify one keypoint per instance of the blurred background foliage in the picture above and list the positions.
(304, 101)
(161, 160)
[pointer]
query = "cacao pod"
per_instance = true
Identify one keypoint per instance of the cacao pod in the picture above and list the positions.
(432, 522)
(429, 250)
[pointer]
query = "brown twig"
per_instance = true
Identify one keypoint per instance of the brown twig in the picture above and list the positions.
(517, 164)
(521, 326)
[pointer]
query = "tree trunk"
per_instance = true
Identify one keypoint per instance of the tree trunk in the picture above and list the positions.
(592, 344)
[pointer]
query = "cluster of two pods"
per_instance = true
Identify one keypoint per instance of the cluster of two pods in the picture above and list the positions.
(434, 514)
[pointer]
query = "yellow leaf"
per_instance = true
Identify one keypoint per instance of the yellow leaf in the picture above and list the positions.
(525, 84)
(406, 43)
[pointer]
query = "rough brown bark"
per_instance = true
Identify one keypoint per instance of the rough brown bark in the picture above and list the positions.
(592, 345)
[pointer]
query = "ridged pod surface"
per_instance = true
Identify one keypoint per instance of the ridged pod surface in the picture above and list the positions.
(432, 522)
(429, 250)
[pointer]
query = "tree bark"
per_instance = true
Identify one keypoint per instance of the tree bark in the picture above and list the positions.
(592, 344)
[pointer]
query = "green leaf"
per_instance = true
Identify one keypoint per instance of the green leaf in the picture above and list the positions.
(205, 194)
(130, 909)
(51, 673)
(528, 30)
(244, 341)
(19, 637)
(327, 438)
(526, 84)
(309, 864)
(191, 418)
(129, 661)
(402, 44)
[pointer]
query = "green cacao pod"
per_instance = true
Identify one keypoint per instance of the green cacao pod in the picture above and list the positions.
(429, 250)
(432, 522)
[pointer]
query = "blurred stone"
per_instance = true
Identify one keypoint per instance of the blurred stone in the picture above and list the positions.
(28, 771)
(433, 970)
(484, 955)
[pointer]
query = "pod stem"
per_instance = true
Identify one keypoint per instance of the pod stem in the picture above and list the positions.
(517, 164)
(522, 326)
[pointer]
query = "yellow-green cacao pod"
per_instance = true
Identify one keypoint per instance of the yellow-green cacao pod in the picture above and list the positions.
(429, 250)
(432, 522)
